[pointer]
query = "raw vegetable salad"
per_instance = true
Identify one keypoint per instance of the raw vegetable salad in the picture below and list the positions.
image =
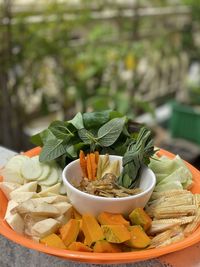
(38, 206)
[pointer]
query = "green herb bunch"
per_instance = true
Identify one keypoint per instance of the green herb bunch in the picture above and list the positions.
(106, 131)
(138, 153)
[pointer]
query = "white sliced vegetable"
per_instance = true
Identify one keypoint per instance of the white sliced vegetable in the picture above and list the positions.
(63, 207)
(59, 198)
(29, 187)
(63, 190)
(11, 206)
(42, 209)
(16, 223)
(51, 179)
(50, 199)
(20, 197)
(45, 227)
(31, 169)
(55, 189)
(40, 200)
(7, 188)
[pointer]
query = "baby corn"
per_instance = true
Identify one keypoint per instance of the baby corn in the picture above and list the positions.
(175, 214)
(167, 237)
(190, 228)
(170, 193)
(172, 240)
(174, 211)
(160, 238)
(182, 220)
(158, 226)
(196, 200)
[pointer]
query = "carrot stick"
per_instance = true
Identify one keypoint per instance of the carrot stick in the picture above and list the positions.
(94, 165)
(83, 163)
(96, 157)
(89, 167)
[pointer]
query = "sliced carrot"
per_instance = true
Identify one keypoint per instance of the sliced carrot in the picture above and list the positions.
(83, 163)
(32, 152)
(96, 157)
(89, 167)
(94, 165)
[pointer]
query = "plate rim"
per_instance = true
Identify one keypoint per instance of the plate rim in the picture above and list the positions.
(102, 258)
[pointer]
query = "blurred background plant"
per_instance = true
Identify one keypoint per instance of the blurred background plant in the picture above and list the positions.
(61, 57)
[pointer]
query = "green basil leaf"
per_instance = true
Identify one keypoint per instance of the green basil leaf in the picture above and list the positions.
(110, 131)
(52, 149)
(62, 127)
(61, 130)
(77, 121)
(41, 138)
(95, 119)
(86, 136)
(36, 139)
(73, 150)
(47, 135)
(115, 114)
(120, 149)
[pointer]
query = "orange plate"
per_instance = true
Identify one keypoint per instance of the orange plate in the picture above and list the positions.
(123, 257)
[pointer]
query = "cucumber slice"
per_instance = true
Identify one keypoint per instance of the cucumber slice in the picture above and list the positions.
(16, 162)
(45, 172)
(51, 179)
(31, 169)
(59, 175)
(45, 168)
(11, 176)
(36, 158)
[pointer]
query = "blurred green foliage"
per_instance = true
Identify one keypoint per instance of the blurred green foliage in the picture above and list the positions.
(88, 60)
(62, 58)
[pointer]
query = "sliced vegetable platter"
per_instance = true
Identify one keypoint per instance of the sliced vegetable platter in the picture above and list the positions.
(88, 257)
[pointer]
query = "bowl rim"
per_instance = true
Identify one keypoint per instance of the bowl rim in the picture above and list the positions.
(106, 199)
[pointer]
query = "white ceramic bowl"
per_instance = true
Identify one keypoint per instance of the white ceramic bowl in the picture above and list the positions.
(86, 203)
